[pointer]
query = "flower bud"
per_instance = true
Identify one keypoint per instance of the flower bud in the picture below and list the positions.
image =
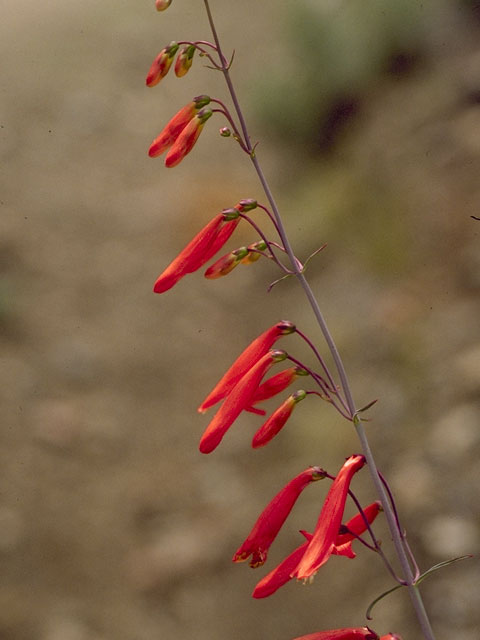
(226, 263)
(161, 64)
(244, 362)
(162, 4)
(246, 205)
(285, 327)
(230, 214)
(176, 125)
(253, 251)
(225, 132)
(184, 60)
(187, 138)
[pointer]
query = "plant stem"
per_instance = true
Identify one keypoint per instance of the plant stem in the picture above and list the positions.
(414, 593)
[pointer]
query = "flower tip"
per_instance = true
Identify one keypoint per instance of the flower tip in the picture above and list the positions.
(206, 446)
(164, 284)
(161, 5)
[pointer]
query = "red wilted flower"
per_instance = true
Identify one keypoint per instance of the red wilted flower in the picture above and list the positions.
(271, 519)
(195, 254)
(342, 634)
(161, 65)
(226, 263)
(176, 125)
(276, 421)
(237, 400)
(162, 4)
(245, 361)
(184, 60)
(322, 545)
(343, 543)
(187, 138)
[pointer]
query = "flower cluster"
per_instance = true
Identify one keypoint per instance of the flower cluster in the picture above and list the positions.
(243, 387)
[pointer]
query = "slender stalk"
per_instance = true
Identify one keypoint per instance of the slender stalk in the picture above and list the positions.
(414, 593)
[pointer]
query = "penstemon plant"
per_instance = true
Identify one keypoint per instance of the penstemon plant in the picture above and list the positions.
(243, 388)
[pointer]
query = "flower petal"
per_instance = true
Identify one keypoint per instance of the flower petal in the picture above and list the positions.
(190, 255)
(277, 420)
(271, 519)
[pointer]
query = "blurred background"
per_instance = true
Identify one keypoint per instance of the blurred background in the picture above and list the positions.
(112, 525)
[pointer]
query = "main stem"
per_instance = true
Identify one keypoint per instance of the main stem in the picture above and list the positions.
(415, 595)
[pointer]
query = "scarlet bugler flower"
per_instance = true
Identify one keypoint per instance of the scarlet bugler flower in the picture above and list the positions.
(187, 138)
(271, 519)
(245, 361)
(352, 633)
(322, 544)
(196, 253)
(277, 420)
(343, 546)
(176, 125)
(237, 400)
(161, 65)
(184, 60)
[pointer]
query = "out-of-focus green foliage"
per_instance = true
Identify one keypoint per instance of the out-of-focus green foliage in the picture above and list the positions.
(334, 51)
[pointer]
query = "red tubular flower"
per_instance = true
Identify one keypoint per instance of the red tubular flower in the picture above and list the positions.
(237, 400)
(187, 138)
(189, 256)
(276, 421)
(161, 65)
(357, 526)
(245, 361)
(272, 518)
(343, 546)
(176, 125)
(162, 4)
(352, 633)
(322, 544)
(184, 60)
(226, 263)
